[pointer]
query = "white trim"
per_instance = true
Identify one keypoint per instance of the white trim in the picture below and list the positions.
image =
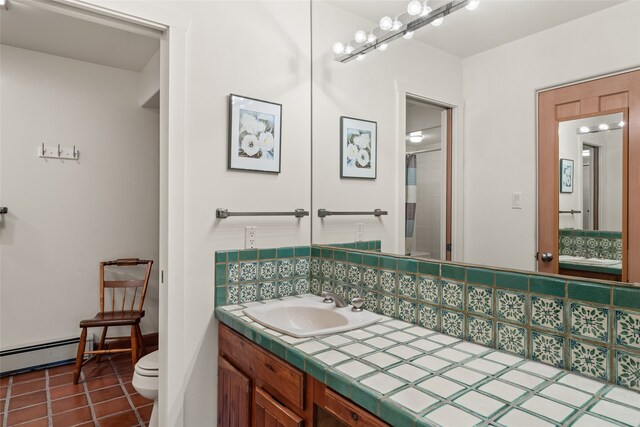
(404, 88)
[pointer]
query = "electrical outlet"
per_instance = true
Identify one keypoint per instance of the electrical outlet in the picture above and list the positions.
(516, 200)
(359, 232)
(250, 234)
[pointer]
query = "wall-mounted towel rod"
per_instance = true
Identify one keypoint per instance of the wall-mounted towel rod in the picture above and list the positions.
(377, 212)
(224, 213)
(570, 212)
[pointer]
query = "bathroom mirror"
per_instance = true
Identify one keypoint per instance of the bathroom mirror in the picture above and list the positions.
(591, 156)
(484, 83)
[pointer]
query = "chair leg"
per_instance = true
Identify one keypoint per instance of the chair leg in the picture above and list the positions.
(134, 345)
(140, 340)
(101, 346)
(80, 355)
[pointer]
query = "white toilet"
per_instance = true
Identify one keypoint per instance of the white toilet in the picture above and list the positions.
(145, 381)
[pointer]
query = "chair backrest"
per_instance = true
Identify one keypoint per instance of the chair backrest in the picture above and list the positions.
(124, 294)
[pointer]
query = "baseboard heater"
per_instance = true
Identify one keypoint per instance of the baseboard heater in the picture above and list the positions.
(40, 356)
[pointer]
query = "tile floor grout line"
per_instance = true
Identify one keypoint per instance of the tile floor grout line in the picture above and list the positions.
(48, 394)
(6, 402)
(126, 393)
(89, 402)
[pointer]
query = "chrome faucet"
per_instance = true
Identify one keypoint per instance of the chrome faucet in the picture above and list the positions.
(331, 297)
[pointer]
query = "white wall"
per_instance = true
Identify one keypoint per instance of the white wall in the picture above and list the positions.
(366, 90)
(500, 127)
(67, 216)
(429, 203)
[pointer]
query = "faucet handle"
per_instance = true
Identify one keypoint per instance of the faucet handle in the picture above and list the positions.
(327, 298)
(357, 304)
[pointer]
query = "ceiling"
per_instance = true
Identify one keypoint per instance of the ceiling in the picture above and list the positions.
(495, 22)
(34, 28)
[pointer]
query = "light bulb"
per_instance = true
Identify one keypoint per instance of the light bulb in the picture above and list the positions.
(383, 47)
(414, 8)
(621, 123)
(338, 48)
(603, 126)
(437, 22)
(584, 129)
(360, 36)
(386, 23)
(586, 153)
(426, 10)
(361, 57)
(473, 5)
(408, 35)
(371, 38)
(348, 49)
(396, 25)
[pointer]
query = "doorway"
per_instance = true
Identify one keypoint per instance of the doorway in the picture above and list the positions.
(604, 114)
(427, 180)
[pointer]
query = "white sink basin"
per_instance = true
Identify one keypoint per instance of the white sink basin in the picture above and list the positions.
(308, 317)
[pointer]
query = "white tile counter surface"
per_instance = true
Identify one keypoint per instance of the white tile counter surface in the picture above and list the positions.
(424, 378)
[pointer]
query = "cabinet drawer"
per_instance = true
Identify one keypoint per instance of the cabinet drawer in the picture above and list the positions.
(347, 412)
(281, 380)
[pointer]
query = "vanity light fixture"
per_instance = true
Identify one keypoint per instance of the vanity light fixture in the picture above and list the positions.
(603, 127)
(473, 5)
(361, 57)
(4, 5)
(416, 137)
(621, 123)
(417, 15)
(383, 47)
(583, 129)
(586, 153)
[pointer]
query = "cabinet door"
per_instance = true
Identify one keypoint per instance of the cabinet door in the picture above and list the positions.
(269, 413)
(234, 396)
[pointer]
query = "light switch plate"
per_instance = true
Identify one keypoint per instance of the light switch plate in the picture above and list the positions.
(516, 200)
(250, 235)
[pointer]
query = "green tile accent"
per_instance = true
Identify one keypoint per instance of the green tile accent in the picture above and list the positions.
(409, 265)
(267, 253)
(285, 252)
(626, 297)
(453, 272)
(316, 252)
(370, 260)
(249, 333)
(362, 245)
(429, 268)
(547, 286)
(354, 258)
(263, 340)
(512, 281)
(591, 292)
(221, 275)
(315, 368)
(394, 415)
(221, 295)
(300, 251)
(339, 382)
(339, 255)
(232, 256)
(480, 276)
(388, 263)
(366, 398)
(248, 255)
(278, 348)
(295, 357)
(221, 256)
(327, 253)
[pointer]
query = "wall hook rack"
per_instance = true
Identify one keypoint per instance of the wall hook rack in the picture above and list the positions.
(58, 152)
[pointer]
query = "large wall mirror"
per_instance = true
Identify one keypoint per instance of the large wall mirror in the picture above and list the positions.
(455, 145)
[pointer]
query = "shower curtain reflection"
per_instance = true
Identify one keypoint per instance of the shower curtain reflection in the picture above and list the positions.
(410, 205)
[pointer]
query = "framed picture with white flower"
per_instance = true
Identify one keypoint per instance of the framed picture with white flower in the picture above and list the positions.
(358, 148)
(254, 134)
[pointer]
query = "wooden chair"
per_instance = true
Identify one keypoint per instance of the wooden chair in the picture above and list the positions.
(124, 312)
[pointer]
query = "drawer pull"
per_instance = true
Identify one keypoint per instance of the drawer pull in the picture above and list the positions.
(354, 416)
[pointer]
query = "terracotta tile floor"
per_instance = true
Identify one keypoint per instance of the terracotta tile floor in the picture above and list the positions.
(104, 397)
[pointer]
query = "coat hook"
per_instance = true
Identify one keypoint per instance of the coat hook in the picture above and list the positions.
(74, 152)
(43, 150)
(59, 152)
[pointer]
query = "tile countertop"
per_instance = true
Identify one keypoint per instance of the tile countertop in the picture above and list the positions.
(412, 376)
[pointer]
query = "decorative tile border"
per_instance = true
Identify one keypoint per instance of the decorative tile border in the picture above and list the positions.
(368, 245)
(590, 327)
(591, 244)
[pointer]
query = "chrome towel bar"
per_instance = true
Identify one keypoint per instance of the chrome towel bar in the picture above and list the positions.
(377, 212)
(224, 213)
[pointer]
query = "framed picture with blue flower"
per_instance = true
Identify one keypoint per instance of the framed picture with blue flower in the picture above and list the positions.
(566, 176)
(358, 148)
(254, 134)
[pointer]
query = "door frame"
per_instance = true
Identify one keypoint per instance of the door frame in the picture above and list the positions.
(456, 153)
(173, 25)
(598, 96)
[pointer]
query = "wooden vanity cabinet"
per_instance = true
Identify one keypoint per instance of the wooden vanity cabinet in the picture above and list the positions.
(256, 388)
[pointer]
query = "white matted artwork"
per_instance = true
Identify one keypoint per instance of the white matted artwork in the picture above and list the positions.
(566, 176)
(254, 134)
(358, 148)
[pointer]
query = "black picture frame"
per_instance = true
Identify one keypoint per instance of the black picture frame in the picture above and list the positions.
(566, 176)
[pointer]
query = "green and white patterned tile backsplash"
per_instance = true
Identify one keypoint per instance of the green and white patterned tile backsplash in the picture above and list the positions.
(584, 326)
(591, 244)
